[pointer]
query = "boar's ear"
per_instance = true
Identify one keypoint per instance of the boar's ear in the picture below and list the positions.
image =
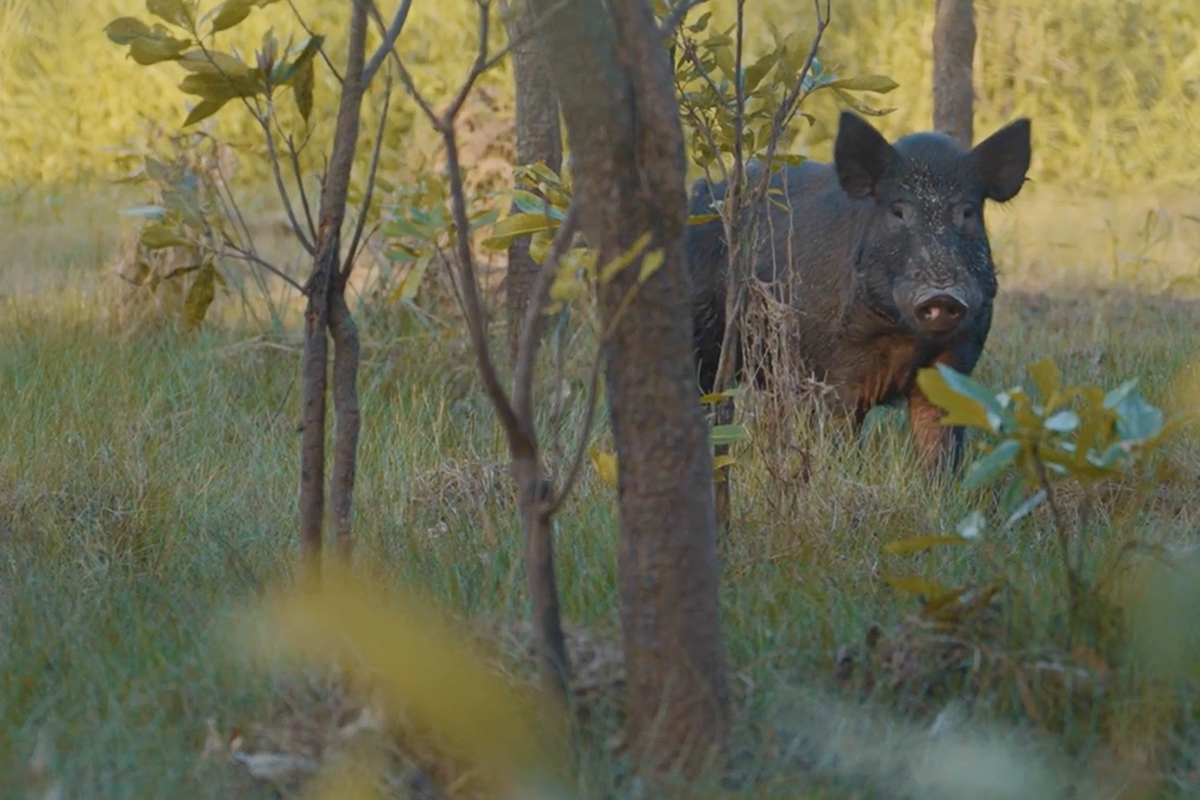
(860, 154)
(1002, 160)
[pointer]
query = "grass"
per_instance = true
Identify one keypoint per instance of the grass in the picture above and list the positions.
(148, 476)
(148, 482)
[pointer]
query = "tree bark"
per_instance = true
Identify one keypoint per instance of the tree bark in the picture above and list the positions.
(953, 59)
(326, 306)
(614, 82)
(538, 139)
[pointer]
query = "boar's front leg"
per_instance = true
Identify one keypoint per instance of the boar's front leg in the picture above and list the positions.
(939, 447)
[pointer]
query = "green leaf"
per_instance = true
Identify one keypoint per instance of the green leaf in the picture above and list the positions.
(700, 24)
(407, 289)
(1026, 508)
(727, 434)
(215, 62)
(758, 70)
(158, 236)
(200, 295)
(700, 219)
(173, 11)
(860, 106)
(515, 226)
(972, 525)
(917, 544)
(306, 59)
(302, 88)
(203, 110)
(879, 84)
(1137, 419)
(124, 30)
(985, 469)
(147, 50)
(215, 86)
(965, 401)
(1063, 421)
(231, 13)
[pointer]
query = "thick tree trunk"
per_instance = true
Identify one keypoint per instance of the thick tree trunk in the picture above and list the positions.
(326, 307)
(614, 81)
(538, 139)
(953, 59)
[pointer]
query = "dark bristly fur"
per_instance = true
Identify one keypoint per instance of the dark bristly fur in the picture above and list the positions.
(885, 259)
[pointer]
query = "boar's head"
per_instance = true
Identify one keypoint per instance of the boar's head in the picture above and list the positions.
(924, 262)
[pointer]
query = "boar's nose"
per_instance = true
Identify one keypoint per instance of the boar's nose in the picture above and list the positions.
(940, 313)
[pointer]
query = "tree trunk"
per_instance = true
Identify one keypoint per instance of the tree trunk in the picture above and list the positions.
(614, 81)
(953, 58)
(326, 307)
(538, 139)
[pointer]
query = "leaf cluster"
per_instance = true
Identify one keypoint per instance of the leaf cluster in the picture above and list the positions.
(215, 76)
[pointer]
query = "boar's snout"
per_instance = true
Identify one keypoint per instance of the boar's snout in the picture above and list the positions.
(939, 313)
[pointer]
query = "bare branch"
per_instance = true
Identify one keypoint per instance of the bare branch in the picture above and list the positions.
(246, 255)
(294, 155)
(284, 195)
(470, 289)
(477, 69)
(311, 33)
(585, 430)
(528, 343)
(390, 34)
(352, 253)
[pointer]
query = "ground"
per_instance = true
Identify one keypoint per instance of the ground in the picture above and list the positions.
(148, 484)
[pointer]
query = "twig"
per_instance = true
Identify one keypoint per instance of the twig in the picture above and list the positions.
(676, 15)
(246, 255)
(311, 33)
(585, 430)
(294, 154)
(352, 253)
(477, 69)
(265, 122)
(390, 34)
(528, 341)
(470, 291)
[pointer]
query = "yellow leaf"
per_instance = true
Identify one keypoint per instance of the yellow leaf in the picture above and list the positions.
(960, 409)
(605, 464)
(409, 654)
(650, 264)
(916, 544)
(609, 270)
(912, 584)
(722, 461)
(1048, 380)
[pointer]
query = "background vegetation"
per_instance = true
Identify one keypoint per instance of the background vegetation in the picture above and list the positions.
(147, 475)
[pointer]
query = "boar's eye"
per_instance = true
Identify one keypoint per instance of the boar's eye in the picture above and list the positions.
(900, 211)
(964, 213)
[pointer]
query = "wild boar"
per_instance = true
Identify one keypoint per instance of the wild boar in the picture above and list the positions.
(887, 260)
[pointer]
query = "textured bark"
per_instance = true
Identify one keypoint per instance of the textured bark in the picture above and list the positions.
(538, 139)
(614, 82)
(326, 305)
(345, 405)
(953, 58)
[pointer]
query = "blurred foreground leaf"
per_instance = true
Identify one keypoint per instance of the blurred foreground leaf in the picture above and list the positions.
(408, 653)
